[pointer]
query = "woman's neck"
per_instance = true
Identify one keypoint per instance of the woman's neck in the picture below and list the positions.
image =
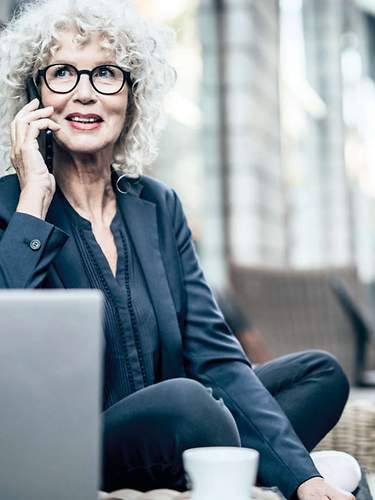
(86, 183)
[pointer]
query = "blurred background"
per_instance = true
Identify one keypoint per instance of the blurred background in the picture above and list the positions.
(270, 133)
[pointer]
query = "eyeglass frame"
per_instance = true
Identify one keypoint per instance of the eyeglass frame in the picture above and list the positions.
(126, 77)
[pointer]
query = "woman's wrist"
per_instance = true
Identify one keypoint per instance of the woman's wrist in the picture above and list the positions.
(34, 202)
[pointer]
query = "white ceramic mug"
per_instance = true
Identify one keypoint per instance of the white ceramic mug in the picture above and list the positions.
(221, 473)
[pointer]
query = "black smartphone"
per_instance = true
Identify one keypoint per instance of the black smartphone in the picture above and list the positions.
(45, 138)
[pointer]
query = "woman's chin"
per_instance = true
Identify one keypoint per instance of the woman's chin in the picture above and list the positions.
(84, 145)
(82, 150)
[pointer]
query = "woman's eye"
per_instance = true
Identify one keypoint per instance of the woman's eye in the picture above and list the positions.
(62, 72)
(104, 72)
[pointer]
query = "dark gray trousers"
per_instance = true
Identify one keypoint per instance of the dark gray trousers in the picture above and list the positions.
(145, 434)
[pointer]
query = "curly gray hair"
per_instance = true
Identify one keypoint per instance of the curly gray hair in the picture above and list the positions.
(140, 47)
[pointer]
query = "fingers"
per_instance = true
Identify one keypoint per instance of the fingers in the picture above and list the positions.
(318, 488)
(33, 104)
(339, 494)
(29, 113)
(34, 128)
(26, 127)
(39, 113)
(23, 121)
(27, 124)
(30, 106)
(26, 133)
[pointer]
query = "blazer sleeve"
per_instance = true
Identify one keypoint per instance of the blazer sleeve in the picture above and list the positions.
(27, 247)
(214, 357)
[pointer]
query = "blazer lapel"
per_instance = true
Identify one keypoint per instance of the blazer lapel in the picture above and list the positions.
(141, 223)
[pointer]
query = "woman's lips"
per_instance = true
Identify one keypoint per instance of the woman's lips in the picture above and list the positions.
(84, 126)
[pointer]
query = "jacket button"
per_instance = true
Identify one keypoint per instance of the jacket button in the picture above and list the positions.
(35, 244)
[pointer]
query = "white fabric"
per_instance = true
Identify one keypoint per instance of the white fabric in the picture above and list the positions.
(338, 468)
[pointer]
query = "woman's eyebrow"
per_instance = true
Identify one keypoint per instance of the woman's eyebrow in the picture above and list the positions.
(97, 63)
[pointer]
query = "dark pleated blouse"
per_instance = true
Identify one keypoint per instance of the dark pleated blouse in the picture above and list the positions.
(131, 355)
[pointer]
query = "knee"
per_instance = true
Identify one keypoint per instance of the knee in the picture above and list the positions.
(197, 417)
(330, 373)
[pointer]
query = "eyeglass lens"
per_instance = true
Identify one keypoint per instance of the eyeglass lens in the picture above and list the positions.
(106, 79)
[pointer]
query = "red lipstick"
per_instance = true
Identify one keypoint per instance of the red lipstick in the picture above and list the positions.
(81, 121)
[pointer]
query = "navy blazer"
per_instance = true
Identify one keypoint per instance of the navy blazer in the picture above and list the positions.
(195, 341)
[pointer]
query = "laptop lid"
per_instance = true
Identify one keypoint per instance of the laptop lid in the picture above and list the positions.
(50, 370)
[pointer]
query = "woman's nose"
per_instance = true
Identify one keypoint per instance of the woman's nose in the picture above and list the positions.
(84, 91)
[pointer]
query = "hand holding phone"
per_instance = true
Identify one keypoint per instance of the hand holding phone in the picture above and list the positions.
(37, 183)
(45, 138)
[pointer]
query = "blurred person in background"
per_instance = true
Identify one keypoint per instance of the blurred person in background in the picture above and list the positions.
(238, 320)
(174, 375)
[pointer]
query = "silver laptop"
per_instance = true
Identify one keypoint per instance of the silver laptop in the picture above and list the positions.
(50, 369)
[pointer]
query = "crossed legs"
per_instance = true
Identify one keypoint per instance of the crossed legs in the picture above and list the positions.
(145, 434)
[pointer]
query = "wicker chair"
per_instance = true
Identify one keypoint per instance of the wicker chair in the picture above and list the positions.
(297, 310)
(355, 433)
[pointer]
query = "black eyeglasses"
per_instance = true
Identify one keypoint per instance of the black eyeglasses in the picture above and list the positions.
(106, 79)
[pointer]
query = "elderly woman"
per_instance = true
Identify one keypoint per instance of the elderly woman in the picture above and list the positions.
(174, 375)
